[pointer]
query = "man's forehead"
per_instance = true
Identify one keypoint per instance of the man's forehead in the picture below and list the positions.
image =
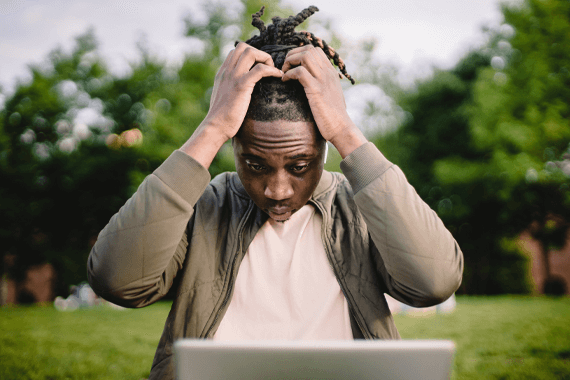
(280, 153)
(278, 130)
(290, 140)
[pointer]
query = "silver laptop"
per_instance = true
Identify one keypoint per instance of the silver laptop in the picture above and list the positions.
(280, 360)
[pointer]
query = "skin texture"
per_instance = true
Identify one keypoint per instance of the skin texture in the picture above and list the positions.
(244, 66)
(231, 95)
(311, 67)
(279, 163)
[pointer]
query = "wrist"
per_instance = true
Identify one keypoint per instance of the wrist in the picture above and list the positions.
(204, 144)
(348, 140)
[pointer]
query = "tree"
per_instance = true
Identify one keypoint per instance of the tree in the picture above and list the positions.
(59, 181)
(181, 102)
(76, 141)
(483, 140)
(520, 117)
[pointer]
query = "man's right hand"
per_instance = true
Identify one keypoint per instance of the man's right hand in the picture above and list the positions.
(243, 68)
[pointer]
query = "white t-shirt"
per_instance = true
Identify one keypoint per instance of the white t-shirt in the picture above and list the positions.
(286, 288)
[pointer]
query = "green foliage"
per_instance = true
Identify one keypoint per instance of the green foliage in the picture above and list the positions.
(486, 141)
(522, 112)
(59, 186)
(483, 142)
(61, 182)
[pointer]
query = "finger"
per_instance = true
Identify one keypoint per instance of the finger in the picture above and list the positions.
(299, 49)
(322, 54)
(238, 51)
(230, 54)
(227, 61)
(301, 74)
(261, 71)
(322, 58)
(309, 59)
(329, 65)
(236, 54)
(250, 57)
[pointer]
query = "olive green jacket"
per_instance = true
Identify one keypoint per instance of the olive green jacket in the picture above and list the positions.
(380, 237)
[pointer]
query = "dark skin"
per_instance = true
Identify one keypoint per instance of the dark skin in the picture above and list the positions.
(279, 163)
(233, 86)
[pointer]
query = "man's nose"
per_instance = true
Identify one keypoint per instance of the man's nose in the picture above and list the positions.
(278, 187)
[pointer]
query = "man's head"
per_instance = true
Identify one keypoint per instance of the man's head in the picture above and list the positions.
(280, 163)
(279, 151)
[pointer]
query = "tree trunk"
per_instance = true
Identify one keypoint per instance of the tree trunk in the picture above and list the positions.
(544, 252)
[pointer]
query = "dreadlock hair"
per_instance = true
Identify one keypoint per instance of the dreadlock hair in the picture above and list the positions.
(273, 99)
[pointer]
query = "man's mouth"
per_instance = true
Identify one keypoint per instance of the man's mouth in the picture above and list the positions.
(280, 214)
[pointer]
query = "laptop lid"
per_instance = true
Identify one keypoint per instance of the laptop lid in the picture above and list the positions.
(280, 360)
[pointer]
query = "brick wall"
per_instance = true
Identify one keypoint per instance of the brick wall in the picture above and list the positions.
(559, 262)
(38, 286)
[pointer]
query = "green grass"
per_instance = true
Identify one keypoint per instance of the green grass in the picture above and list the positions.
(505, 337)
(99, 343)
(496, 337)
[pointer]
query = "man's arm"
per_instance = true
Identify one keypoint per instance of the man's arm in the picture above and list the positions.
(138, 254)
(423, 262)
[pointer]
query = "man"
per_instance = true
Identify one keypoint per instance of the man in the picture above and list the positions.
(282, 249)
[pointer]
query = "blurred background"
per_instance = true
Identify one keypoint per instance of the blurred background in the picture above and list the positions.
(470, 98)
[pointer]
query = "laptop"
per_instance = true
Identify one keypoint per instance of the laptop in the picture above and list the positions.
(280, 360)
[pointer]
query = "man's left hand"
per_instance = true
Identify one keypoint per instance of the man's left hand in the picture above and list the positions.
(311, 67)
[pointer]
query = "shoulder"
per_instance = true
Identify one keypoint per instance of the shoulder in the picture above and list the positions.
(225, 188)
(340, 187)
(335, 193)
(338, 202)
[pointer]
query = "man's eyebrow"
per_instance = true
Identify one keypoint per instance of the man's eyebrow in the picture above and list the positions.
(293, 157)
(302, 155)
(253, 156)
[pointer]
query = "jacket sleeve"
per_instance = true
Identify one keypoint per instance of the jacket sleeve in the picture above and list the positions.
(423, 263)
(137, 255)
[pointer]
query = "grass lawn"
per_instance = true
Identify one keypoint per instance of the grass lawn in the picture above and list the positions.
(506, 337)
(100, 343)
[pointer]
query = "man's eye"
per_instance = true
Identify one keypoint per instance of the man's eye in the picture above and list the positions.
(255, 167)
(299, 168)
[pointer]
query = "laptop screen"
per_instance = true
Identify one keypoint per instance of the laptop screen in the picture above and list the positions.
(378, 359)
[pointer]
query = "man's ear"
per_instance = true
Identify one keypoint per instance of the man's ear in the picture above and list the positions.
(235, 142)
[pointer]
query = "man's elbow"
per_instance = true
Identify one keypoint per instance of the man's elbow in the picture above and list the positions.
(107, 285)
(439, 294)
(101, 279)
(443, 285)
(125, 297)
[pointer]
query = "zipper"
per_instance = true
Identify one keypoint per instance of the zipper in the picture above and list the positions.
(231, 270)
(328, 250)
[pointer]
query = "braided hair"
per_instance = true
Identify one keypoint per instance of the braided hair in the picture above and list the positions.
(282, 32)
(273, 99)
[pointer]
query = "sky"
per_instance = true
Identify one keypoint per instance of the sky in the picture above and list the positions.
(413, 35)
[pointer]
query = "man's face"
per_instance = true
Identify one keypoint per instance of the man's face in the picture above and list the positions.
(279, 163)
